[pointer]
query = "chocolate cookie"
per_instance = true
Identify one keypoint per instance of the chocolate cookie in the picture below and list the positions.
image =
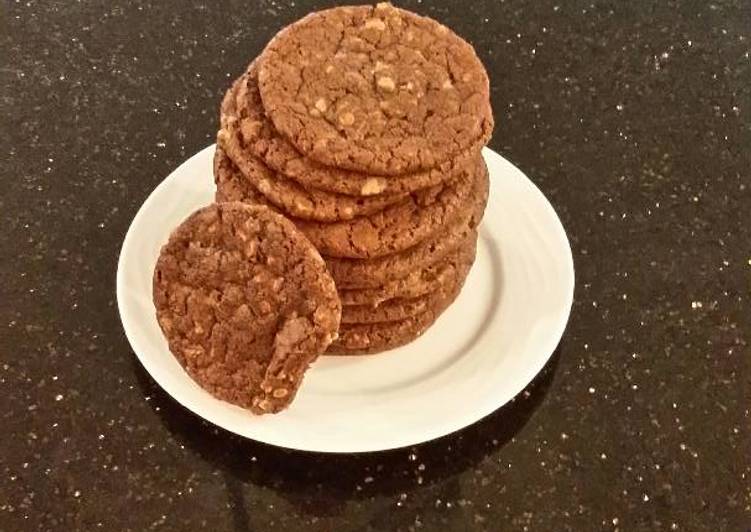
(292, 198)
(243, 103)
(371, 273)
(398, 308)
(285, 193)
(392, 230)
(375, 89)
(367, 338)
(231, 185)
(420, 282)
(400, 226)
(245, 303)
(391, 310)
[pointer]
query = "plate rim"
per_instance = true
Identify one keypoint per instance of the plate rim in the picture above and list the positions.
(531, 370)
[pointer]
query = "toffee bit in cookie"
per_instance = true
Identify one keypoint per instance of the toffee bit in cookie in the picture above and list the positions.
(263, 405)
(346, 119)
(386, 83)
(373, 186)
(375, 23)
(249, 128)
(321, 105)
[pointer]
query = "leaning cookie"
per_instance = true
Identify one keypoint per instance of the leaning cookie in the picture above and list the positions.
(246, 304)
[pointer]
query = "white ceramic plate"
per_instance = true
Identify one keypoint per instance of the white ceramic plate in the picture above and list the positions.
(483, 351)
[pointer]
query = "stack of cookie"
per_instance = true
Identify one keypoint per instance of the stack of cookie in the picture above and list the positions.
(364, 126)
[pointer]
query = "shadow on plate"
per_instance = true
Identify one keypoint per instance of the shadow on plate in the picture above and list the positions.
(320, 484)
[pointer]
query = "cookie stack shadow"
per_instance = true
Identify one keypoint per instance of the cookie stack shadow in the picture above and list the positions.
(375, 157)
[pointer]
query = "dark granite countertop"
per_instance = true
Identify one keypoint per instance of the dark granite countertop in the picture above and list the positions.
(634, 118)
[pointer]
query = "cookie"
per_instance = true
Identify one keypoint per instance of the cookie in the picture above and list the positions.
(285, 193)
(417, 283)
(246, 304)
(292, 198)
(228, 107)
(258, 136)
(399, 308)
(368, 338)
(400, 226)
(371, 273)
(231, 185)
(390, 231)
(375, 89)
(391, 310)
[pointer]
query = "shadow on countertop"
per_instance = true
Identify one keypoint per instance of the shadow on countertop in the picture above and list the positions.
(319, 484)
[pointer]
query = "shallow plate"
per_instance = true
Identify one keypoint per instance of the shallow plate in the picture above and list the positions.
(483, 351)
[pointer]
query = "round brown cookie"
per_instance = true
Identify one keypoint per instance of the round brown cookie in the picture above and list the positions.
(375, 89)
(398, 308)
(418, 283)
(391, 310)
(372, 338)
(400, 226)
(371, 273)
(259, 137)
(368, 338)
(245, 302)
(406, 283)
(292, 198)
(231, 185)
(228, 108)
(390, 231)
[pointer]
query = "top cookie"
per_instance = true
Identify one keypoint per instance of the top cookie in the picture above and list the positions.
(242, 106)
(375, 89)
(245, 303)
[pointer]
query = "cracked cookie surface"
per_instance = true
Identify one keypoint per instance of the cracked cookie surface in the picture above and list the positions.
(372, 273)
(400, 308)
(246, 304)
(419, 282)
(401, 226)
(242, 103)
(375, 89)
(367, 338)
(285, 193)
(389, 231)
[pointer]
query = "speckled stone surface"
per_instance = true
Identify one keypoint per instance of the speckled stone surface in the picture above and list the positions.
(634, 118)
